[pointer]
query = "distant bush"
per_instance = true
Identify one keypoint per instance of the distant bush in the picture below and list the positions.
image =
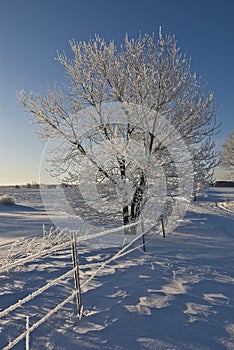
(7, 200)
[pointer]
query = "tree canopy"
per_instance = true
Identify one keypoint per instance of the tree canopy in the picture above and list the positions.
(135, 120)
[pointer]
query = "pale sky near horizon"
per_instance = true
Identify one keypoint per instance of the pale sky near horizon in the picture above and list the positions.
(32, 30)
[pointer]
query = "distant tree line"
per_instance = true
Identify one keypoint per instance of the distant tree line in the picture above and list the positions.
(223, 184)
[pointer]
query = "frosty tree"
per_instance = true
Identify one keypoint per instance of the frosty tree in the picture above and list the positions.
(132, 120)
(227, 153)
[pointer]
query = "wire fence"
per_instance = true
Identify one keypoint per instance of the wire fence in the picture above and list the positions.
(76, 292)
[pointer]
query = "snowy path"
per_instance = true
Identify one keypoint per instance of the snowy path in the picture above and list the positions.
(177, 295)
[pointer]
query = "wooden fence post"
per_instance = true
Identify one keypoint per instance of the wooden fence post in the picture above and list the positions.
(76, 275)
(143, 236)
(163, 228)
(27, 338)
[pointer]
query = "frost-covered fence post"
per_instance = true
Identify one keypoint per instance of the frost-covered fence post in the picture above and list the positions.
(76, 275)
(27, 338)
(163, 228)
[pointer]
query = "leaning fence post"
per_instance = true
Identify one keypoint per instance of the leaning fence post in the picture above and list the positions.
(27, 338)
(163, 228)
(76, 275)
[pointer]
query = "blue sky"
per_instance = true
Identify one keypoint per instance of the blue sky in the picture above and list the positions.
(31, 31)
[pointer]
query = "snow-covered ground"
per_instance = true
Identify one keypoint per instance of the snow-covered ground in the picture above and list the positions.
(25, 218)
(179, 294)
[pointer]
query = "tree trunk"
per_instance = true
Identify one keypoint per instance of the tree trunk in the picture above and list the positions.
(136, 205)
(125, 213)
(137, 201)
(125, 210)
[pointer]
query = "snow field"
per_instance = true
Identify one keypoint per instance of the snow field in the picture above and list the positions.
(177, 295)
(39, 291)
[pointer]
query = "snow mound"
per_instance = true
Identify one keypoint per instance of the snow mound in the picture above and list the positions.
(7, 200)
(228, 205)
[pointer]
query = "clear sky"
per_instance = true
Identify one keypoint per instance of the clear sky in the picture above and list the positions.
(32, 30)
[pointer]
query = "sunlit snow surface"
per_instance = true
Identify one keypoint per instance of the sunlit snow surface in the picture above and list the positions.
(177, 295)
